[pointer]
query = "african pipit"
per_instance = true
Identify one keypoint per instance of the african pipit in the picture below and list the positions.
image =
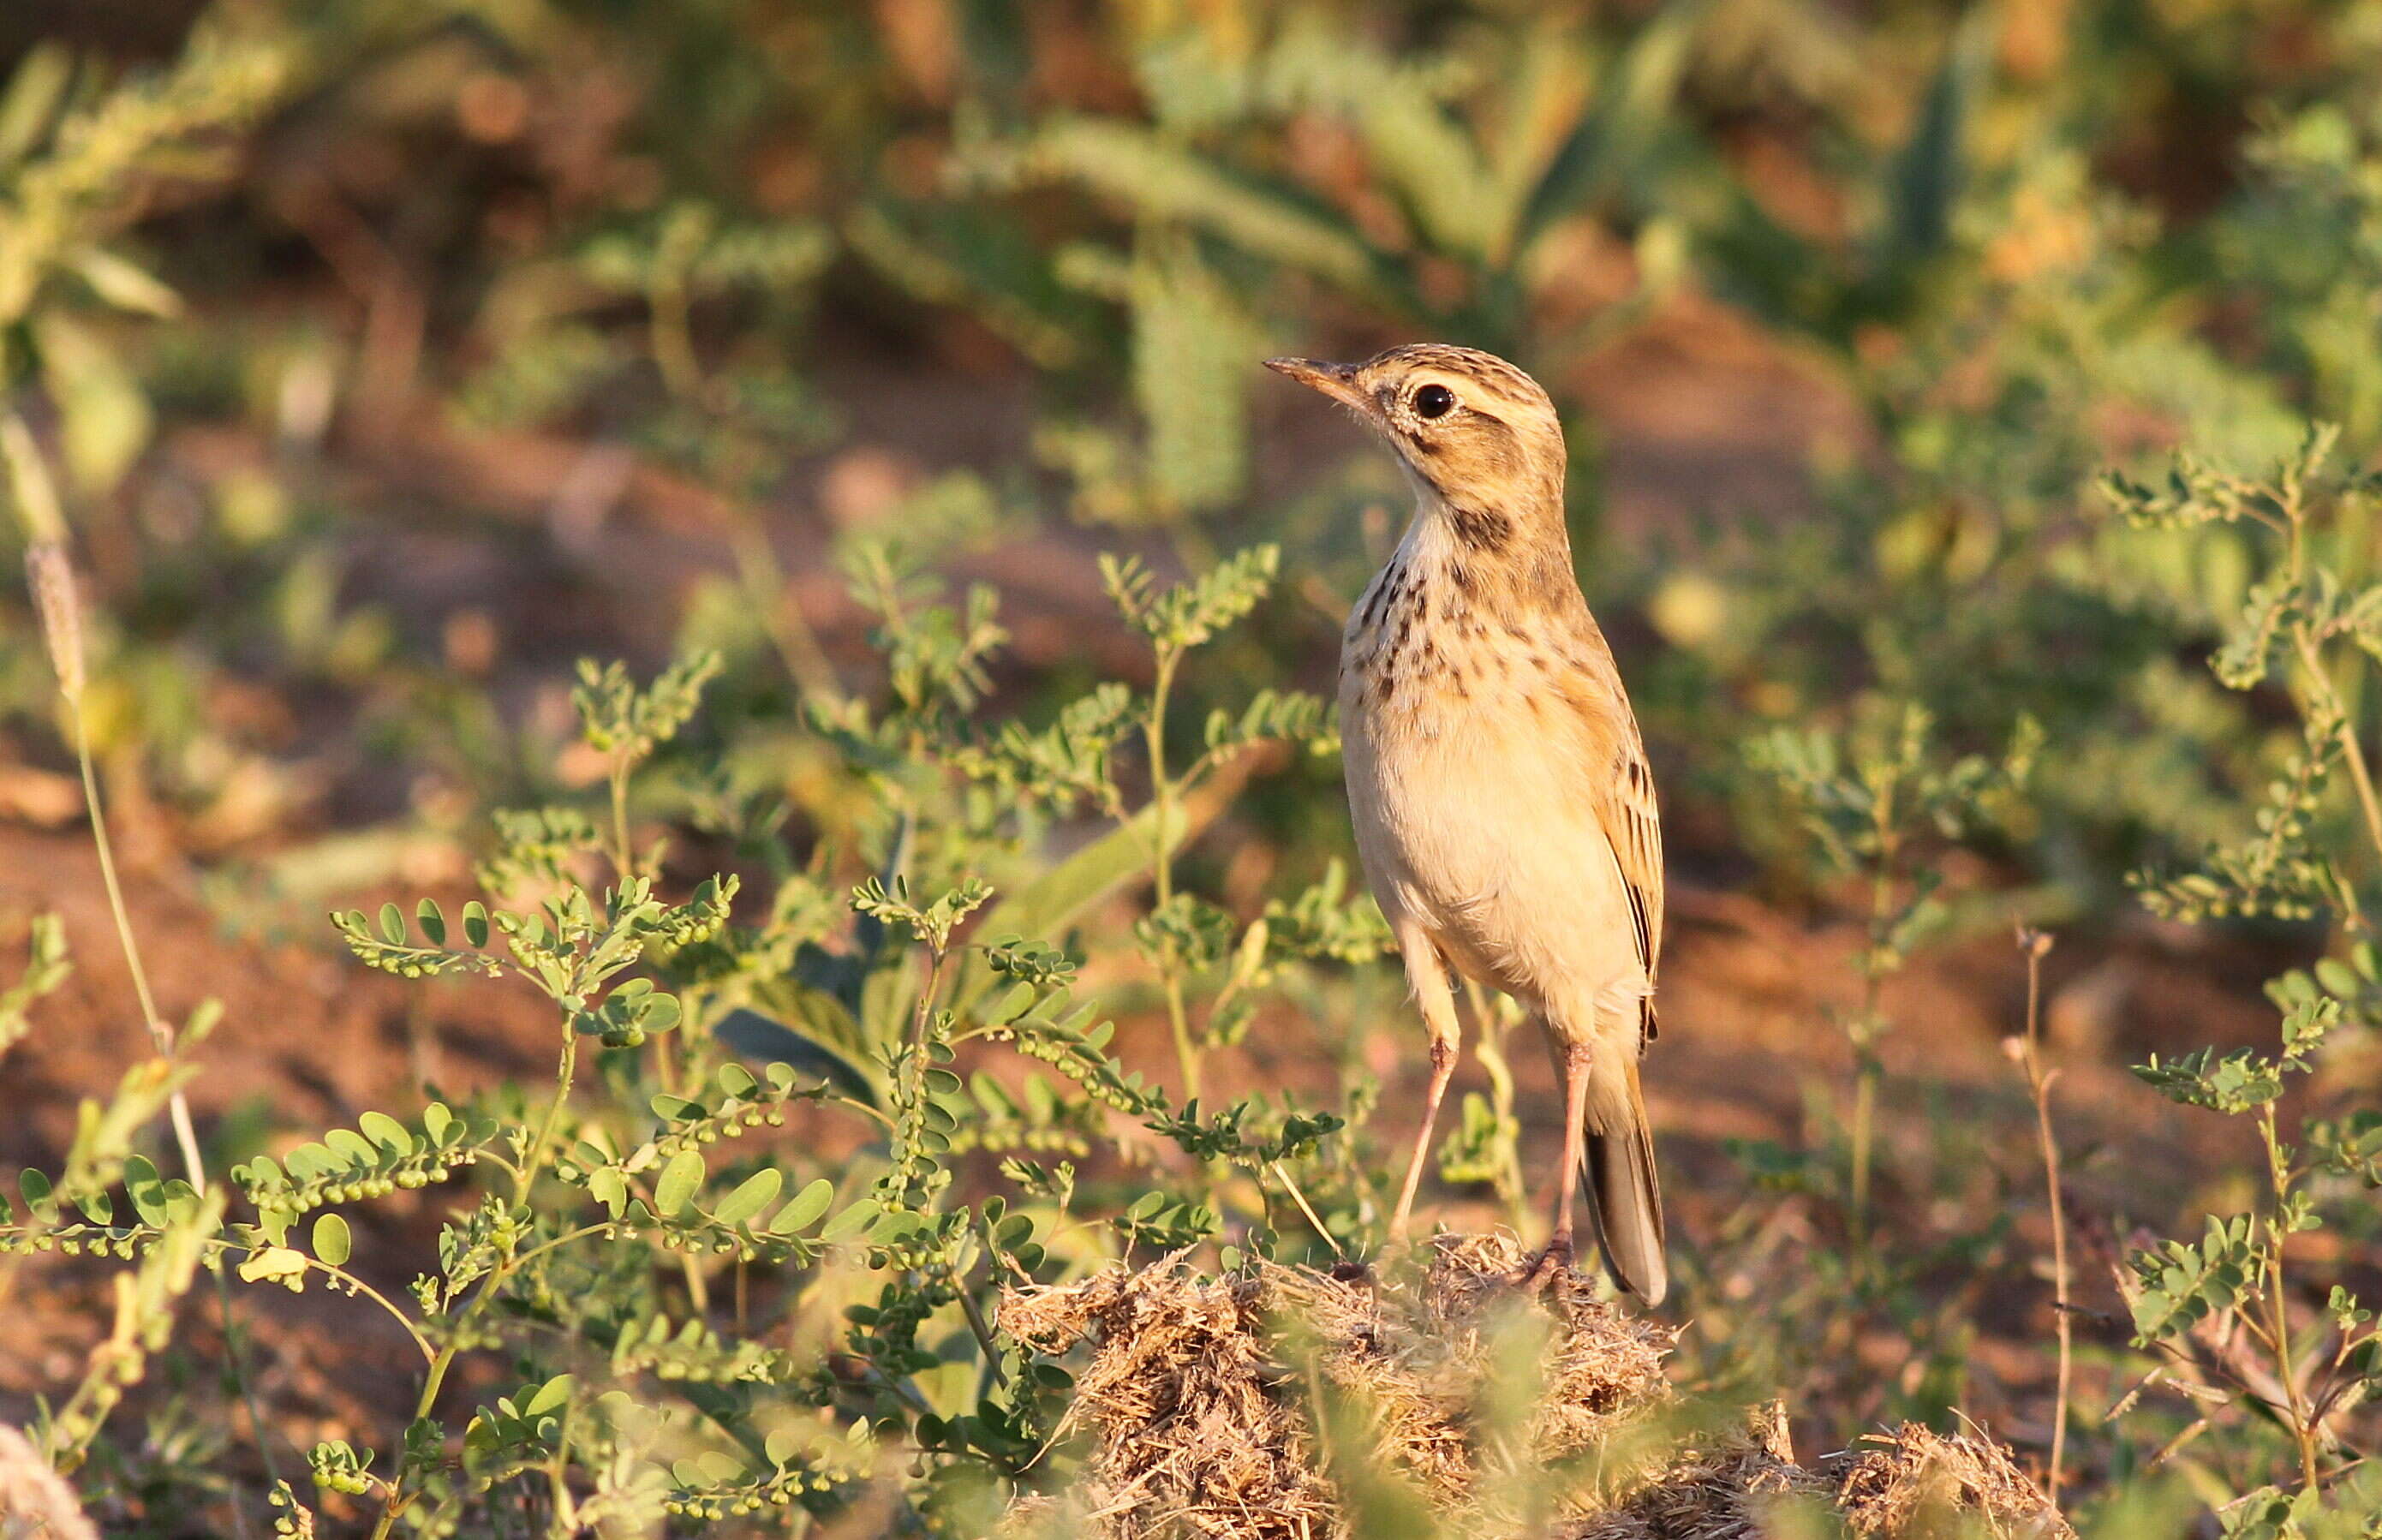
(1503, 805)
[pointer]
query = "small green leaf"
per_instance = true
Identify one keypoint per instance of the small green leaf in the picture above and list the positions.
(679, 1181)
(858, 1217)
(333, 1243)
(803, 1211)
(475, 923)
(433, 923)
(436, 1120)
(552, 1396)
(756, 1036)
(392, 925)
(386, 1132)
(755, 1193)
(675, 1109)
(1013, 1003)
(146, 1189)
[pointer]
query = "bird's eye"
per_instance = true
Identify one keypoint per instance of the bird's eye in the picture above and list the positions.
(1434, 401)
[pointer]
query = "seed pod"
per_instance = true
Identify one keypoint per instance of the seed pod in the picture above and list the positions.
(50, 575)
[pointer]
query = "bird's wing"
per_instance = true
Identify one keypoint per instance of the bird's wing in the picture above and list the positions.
(1620, 787)
(1633, 826)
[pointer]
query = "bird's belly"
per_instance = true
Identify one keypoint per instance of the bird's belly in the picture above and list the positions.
(1472, 819)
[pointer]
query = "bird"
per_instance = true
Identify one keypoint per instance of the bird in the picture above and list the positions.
(1503, 808)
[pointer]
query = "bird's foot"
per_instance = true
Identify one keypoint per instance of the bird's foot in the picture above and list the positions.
(1543, 1270)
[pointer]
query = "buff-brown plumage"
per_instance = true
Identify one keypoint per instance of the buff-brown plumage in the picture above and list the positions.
(1503, 808)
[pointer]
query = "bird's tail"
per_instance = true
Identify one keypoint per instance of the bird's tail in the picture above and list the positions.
(1621, 1178)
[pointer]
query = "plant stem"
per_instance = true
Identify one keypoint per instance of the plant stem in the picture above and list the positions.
(1162, 794)
(927, 994)
(2303, 1421)
(534, 1162)
(51, 561)
(2361, 775)
(236, 1352)
(763, 580)
(399, 1499)
(623, 860)
(354, 1284)
(2036, 943)
(981, 1330)
(524, 1180)
(669, 332)
(1864, 1120)
(557, 1478)
(160, 1034)
(1866, 1068)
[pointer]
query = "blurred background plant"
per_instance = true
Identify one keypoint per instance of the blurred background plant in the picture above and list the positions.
(880, 378)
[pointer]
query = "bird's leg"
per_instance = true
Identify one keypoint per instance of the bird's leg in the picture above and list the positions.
(1576, 1061)
(1427, 976)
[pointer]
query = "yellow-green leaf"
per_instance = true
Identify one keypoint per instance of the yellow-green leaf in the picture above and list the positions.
(679, 1181)
(804, 1212)
(755, 1193)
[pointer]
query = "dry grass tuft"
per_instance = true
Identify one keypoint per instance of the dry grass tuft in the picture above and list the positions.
(1249, 1409)
(1461, 1377)
(1181, 1393)
(35, 1501)
(1914, 1481)
(1721, 1488)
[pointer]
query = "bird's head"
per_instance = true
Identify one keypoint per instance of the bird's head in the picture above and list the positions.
(1472, 430)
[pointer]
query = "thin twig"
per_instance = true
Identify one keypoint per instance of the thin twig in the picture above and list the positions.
(2036, 943)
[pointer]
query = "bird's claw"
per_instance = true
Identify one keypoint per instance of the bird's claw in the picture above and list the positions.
(1546, 1268)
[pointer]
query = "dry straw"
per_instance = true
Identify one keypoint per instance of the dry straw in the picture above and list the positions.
(35, 1501)
(1200, 1397)
(49, 572)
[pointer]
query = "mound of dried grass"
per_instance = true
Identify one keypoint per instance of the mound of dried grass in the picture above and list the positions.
(35, 1501)
(1915, 1481)
(1182, 1395)
(1266, 1407)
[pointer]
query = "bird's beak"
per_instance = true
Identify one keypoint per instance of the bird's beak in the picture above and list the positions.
(1335, 380)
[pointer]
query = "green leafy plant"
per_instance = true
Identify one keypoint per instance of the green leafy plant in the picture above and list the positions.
(1487, 186)
(1872, 802)
(2222, 1310)
(610, 1211)
(2298, 620)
